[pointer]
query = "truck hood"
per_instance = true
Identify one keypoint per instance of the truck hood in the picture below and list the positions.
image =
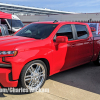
(10, 42)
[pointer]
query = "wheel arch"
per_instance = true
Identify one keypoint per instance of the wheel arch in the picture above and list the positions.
(42, 59)
(46, 63)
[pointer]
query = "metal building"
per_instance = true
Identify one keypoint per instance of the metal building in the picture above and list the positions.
(32, 14)
(24, 10)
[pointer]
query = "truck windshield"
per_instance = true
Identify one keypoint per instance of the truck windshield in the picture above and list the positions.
(15, 23)
(37, 31)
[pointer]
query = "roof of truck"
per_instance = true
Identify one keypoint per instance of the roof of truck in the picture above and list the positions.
(60, 22)
(5, 15)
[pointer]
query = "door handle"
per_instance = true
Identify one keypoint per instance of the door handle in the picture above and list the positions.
(73, 45)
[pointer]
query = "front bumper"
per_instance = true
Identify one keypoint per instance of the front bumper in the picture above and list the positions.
(4, 78)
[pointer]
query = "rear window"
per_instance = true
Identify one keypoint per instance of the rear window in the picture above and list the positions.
(81, 31)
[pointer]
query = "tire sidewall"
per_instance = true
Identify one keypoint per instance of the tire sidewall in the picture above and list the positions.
(26, 67)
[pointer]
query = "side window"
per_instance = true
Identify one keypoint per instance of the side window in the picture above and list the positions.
(81, 31)
(65, 30)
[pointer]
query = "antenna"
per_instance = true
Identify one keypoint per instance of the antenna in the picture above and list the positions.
(55, 21)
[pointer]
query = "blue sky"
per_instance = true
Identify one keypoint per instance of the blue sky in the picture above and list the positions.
(80, 6)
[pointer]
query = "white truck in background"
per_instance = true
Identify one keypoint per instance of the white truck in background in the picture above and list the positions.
(12, 22)
(3, 30)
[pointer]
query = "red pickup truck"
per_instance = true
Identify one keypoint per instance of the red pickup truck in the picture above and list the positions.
(42, 49)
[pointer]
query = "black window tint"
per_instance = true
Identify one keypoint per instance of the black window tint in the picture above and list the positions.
(65, 31)
(37, 31)
(81, 31)
(15, 23)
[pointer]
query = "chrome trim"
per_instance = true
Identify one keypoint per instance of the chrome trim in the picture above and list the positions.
(5, 65)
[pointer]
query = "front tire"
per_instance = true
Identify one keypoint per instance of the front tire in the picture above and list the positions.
(33, 75)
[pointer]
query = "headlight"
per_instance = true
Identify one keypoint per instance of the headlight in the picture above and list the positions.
(8, 53)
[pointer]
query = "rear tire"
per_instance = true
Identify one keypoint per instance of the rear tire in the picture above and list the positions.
(97, 62)
(33, 75)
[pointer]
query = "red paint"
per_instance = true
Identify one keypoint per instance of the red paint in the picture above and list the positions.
(61, 56)
(62, 39)
(5, 15)
(4, 80)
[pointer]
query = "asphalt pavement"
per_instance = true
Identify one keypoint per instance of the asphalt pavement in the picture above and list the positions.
(79, 83)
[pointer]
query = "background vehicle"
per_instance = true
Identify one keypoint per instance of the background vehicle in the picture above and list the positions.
(12, 22)
(42, 49)
(3, 30)
(93, 29)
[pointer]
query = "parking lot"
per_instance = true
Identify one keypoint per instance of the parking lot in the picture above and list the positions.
(80, 83)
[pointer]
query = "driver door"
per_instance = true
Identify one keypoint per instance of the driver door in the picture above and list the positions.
(65, 54)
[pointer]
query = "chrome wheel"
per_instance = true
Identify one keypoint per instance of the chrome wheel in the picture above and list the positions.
(34, 76)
